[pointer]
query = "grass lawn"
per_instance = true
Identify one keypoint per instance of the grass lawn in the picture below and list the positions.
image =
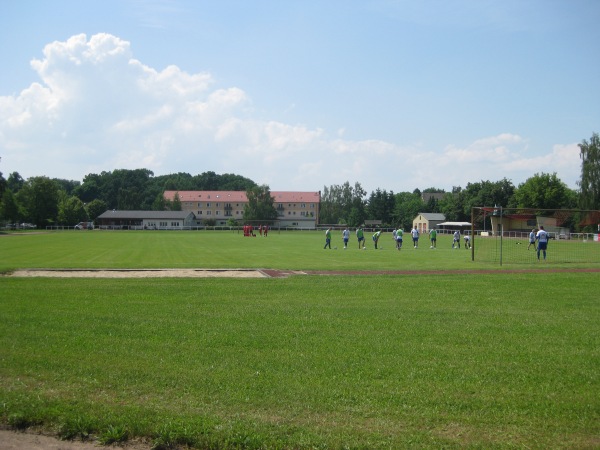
(479, 360)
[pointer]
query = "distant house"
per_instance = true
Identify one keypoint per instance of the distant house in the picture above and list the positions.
(437, 196)
(427, 221)
(138, 220)
(294, 209)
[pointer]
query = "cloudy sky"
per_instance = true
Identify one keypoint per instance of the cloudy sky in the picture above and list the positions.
(300, 94)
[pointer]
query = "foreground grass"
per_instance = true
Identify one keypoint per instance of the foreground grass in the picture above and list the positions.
(306, 362)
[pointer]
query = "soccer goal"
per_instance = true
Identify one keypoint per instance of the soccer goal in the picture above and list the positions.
(508, 236)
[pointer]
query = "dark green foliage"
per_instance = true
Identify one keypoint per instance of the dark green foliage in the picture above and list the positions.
(544, 191)
(590, 173)
(343, 204)
(260, 205)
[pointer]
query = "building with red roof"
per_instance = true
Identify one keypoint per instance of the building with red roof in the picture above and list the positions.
(294, 209)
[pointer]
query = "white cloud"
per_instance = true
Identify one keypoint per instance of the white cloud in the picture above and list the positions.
(97, 108)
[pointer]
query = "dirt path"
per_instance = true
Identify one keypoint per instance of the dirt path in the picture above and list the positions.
(16, 440)
(263, 273)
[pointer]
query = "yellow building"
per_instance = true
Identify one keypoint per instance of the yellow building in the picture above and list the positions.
(294, 209)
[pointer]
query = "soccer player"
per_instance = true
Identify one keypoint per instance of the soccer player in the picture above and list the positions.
(542, 239)
(433, 238)
(327, 238)
(415, 236)
(346, 236)
(467, 242)
(360, 235)
(456, 239)
(399, 233)
(532, 240)
(376, 238)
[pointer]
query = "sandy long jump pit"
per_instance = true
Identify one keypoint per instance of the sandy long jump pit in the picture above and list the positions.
(154, 273)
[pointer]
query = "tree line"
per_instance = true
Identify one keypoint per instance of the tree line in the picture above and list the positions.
(44, 201)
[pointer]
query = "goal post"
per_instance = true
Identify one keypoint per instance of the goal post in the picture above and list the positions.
(503, 235)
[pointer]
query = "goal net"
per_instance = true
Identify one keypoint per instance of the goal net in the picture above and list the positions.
(503, 235)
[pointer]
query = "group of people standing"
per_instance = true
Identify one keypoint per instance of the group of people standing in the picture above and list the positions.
(397, 234)
(539, 237)
(262, 229)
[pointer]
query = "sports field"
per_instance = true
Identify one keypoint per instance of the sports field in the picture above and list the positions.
(414, 348)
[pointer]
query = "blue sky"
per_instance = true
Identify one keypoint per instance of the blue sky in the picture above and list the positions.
(391, 94)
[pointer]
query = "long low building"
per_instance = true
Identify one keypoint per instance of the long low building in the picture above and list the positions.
(294, 209)
(153, 220)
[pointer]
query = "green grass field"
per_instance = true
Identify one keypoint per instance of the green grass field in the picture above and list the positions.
(441, 360)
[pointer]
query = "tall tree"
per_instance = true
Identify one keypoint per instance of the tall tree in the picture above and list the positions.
(15, 182)
(9, 208)
(380, 206)
(343, 204)
(260, 205)
(544, 191)
(407, 206)
(71, 210)
(589, 197)
(95, 208)
(39, 197)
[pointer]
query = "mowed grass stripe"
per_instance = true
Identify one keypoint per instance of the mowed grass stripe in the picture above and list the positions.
(229, 249)
(378, 362)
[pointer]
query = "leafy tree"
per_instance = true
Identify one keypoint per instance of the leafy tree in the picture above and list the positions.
(39, 198)
(68, 186)
(451, 205)
(343, 203)
(406, 207)
(161, 203)
(2, 185)
(260, 205)
(9, 208)
(589, 197)
(89, 190)
(380, 206)
(330, 208)
(231, 182)
(176, 204)
(544, 191)
(432, 205)
(15, 182)
(95, 208)
(71, 210)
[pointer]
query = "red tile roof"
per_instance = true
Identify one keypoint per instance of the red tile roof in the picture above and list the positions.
(240, 196)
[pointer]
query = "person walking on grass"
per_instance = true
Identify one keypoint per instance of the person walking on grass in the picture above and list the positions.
(415, 236)
(542, 242)
(327, 238)
(532, 240)
(360, 235)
